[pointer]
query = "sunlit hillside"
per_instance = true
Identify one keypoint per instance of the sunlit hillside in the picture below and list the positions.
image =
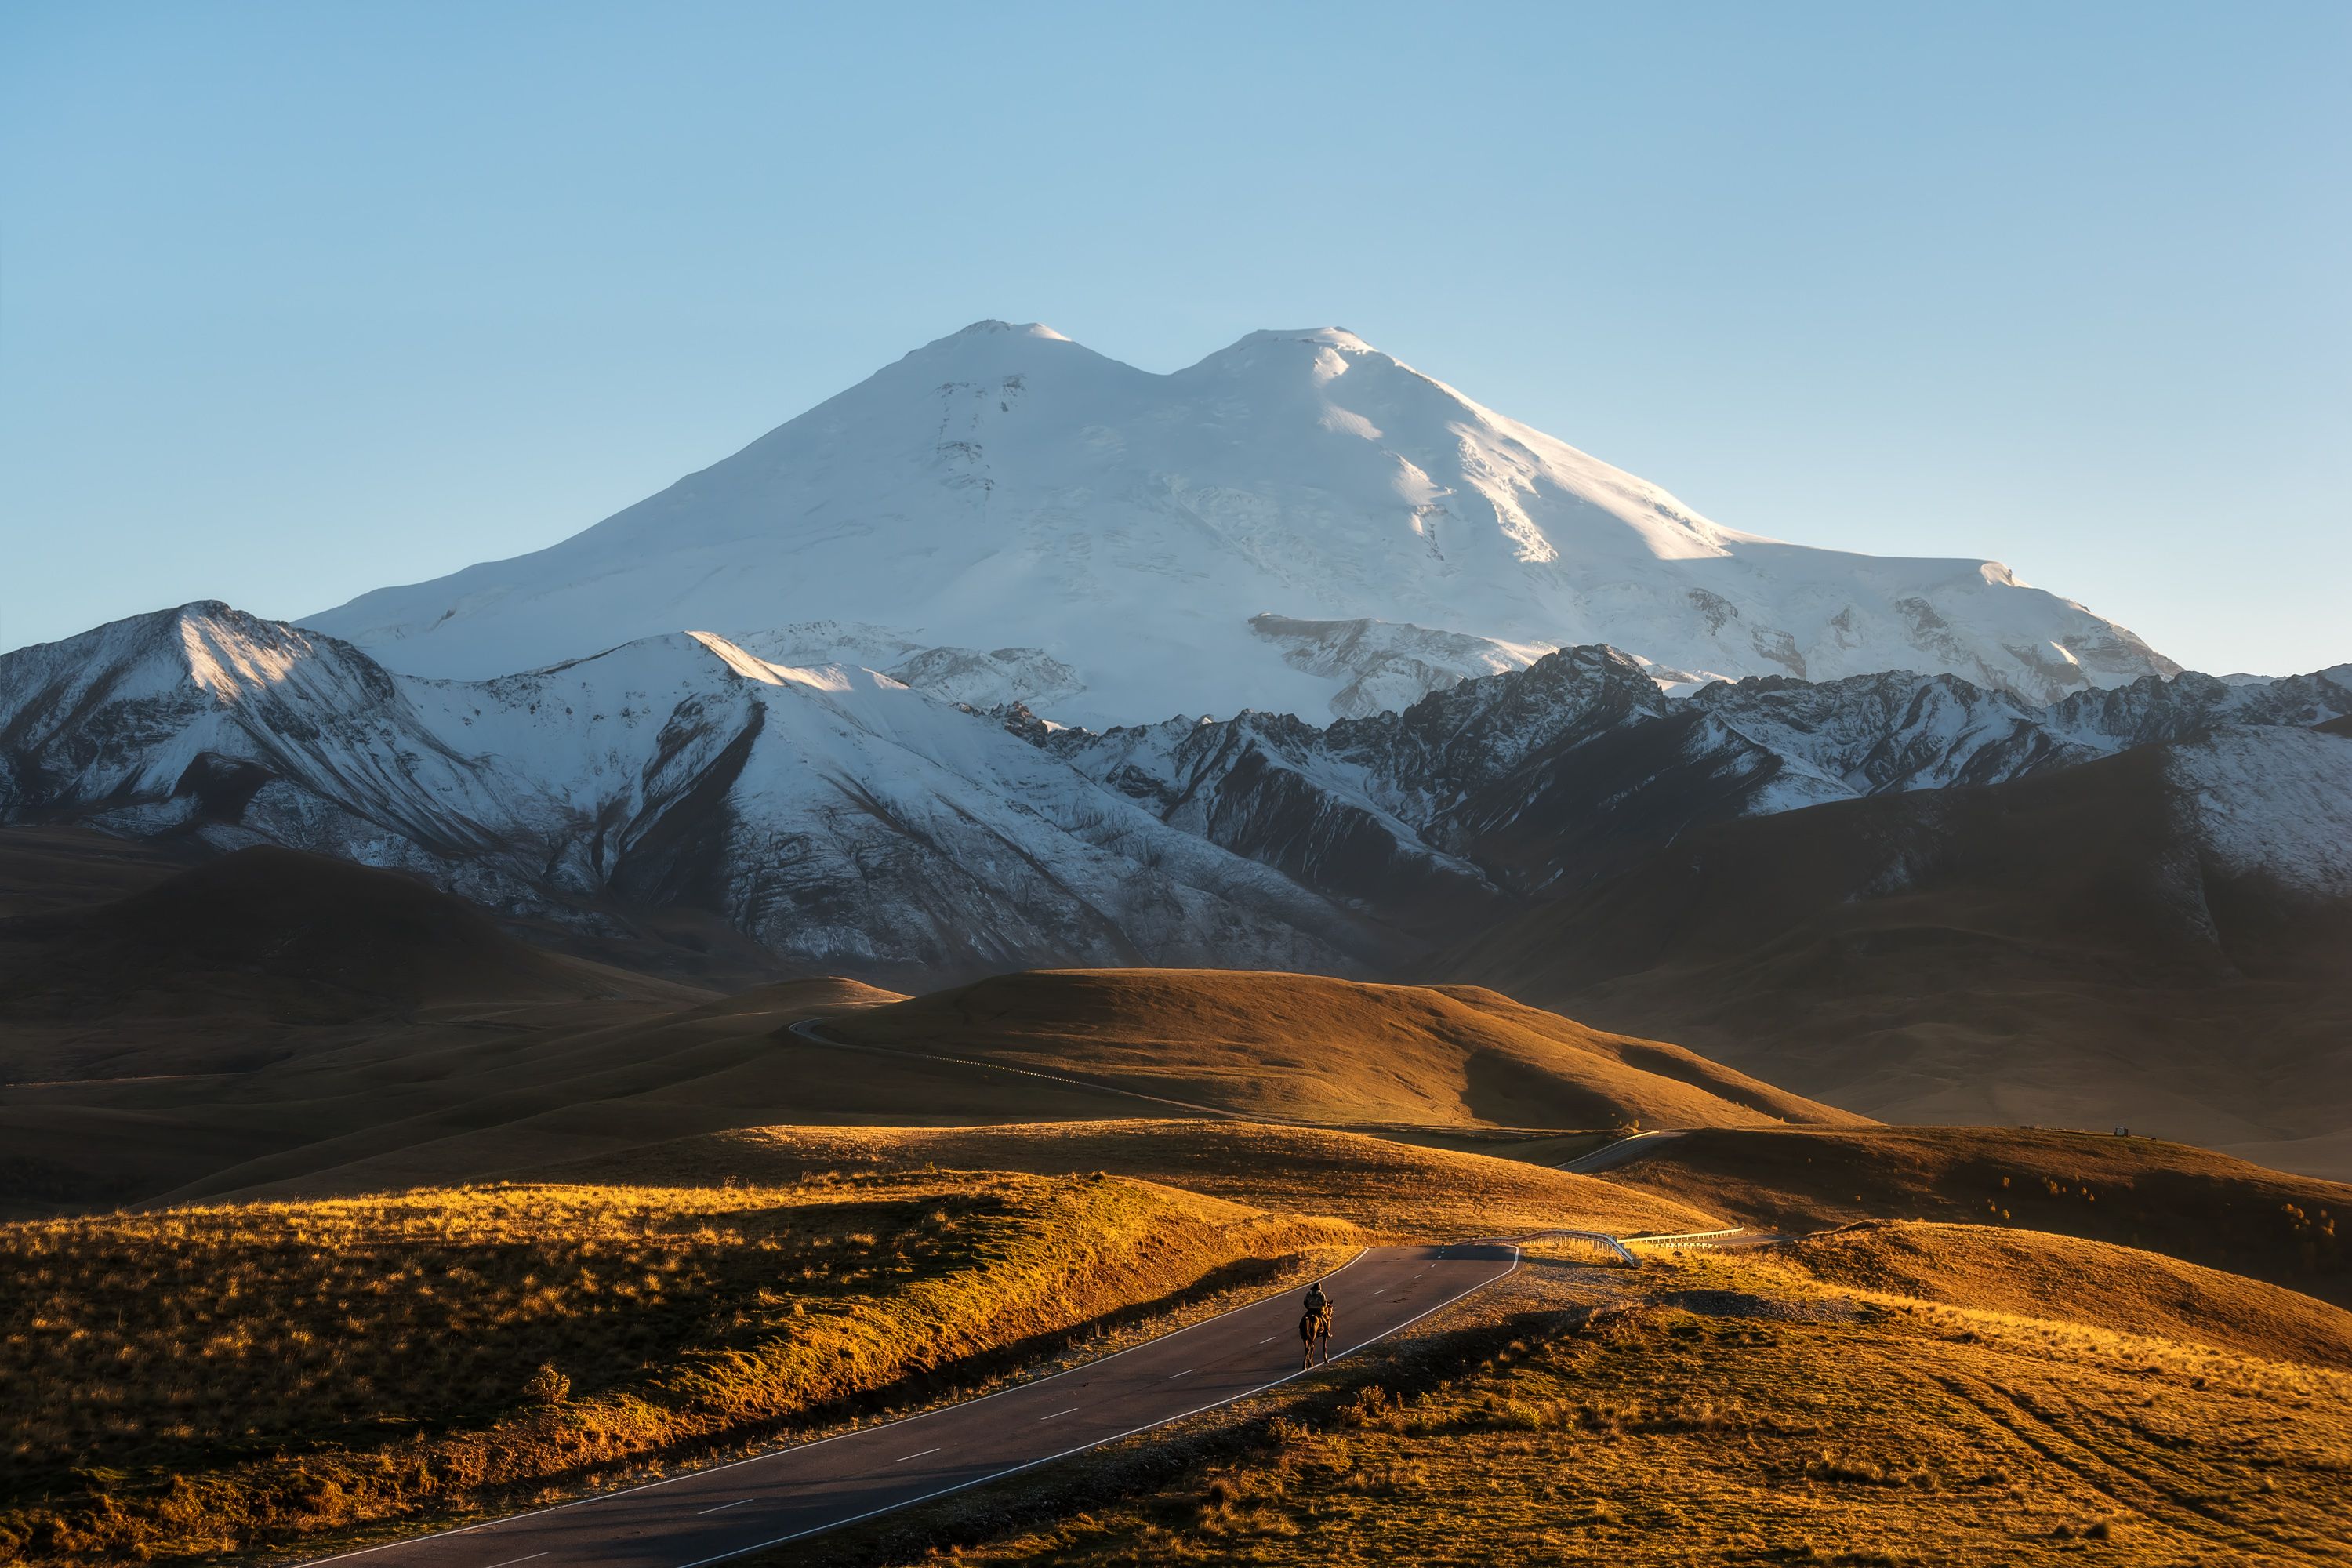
(1397, 1189)
(210, 1379)
(1301, 1047)
(1732, 1409)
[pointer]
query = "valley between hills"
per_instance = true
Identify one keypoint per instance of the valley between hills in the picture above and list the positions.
(660, 911)
(832, 1015)
(340, 1212)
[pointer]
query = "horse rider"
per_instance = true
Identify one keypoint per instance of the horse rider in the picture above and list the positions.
(1318, 1305)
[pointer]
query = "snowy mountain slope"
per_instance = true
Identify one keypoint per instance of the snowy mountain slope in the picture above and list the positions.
(2270, 803)
(1389, 667)
(849, 822)
(1131, 545)
(982, 678)
(1553, 775)
(842, 818)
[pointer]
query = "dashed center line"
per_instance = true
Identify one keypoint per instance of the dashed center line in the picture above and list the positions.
(1111, 1415)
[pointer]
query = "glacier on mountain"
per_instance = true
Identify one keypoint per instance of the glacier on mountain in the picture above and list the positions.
(1298, 523)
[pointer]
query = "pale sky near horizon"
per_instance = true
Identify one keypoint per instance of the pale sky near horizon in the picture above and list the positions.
(301, 301)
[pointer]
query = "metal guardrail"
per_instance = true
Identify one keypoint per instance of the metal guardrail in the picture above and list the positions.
(1687, 1237)
(1598, 1237)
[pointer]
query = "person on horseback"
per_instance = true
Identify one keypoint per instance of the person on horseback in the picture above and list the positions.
(1314, 1327)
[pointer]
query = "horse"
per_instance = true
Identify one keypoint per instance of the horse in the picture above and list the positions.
(1314, 1334)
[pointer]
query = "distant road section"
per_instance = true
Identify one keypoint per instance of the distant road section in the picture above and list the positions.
(713, 1514)
(1617, 1153)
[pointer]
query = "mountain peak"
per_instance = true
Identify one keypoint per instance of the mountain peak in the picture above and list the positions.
(1006, 488)
(1015, 329)
(993, 347)
(1324, 337)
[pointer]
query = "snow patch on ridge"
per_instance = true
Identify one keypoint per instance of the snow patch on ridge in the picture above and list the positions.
(2272, 802)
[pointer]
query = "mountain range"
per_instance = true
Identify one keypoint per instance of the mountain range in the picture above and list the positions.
(851, 823)
(885, 695)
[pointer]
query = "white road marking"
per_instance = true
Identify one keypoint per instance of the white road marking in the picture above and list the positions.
(1186, 1373)
(601, 1499)
(510, 1561)
(1269, 1339)
(904, 1458)
(1382, 1292)
(1033, 1464)
(723, 1507)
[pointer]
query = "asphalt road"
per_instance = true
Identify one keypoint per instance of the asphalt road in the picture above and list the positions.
(795, 1492)
(1617, 1153)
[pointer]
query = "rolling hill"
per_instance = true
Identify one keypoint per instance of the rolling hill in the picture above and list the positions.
(276, 934)
(1310, 1048)
(2188, 1202)
(2033, 1274)
(2160, 938)
(1387, 1186)
(269, 1024)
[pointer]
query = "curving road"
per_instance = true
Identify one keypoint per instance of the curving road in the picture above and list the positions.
(1631, 1147)
(709, 1515)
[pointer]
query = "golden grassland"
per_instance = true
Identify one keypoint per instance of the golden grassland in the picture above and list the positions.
(1397, 1189)
(1304, 1048)
(209, 1378)
(2173, 1198)
(1723, 1409)
(2096, 1283)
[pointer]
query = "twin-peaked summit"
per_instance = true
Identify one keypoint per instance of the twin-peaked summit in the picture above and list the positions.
(1296, 523)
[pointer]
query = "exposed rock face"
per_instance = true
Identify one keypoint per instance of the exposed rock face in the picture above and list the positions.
(850, 822)
(1542, 779)
(838, 816)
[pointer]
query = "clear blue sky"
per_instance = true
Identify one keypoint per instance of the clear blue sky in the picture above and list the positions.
(297, 300)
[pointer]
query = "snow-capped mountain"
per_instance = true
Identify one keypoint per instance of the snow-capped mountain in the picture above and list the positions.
(1534, 779)
(838, 816)
(1298, 523)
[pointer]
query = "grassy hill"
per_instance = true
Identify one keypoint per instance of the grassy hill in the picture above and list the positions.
(107, 1107)
(2054, 950)
(2031, 1274)
(1379, 1184)
(1307, 1049)
(449, 1095)
(1725, 1409)
(275, 934)
(207, 1379)
(2188, 1202)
